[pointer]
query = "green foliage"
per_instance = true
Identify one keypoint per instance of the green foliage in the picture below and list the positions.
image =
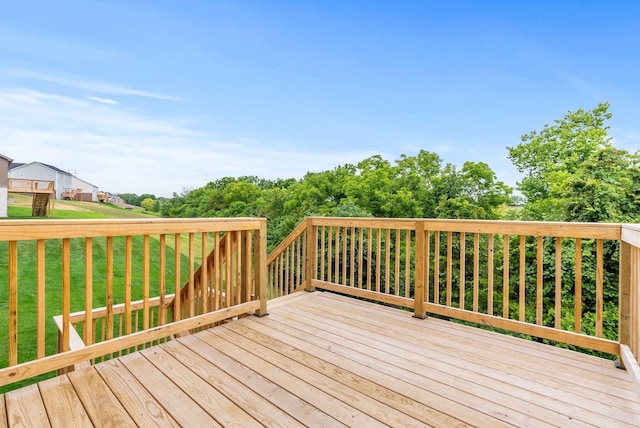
(573, 173)
(148, 204)
(411, 187)
(133, 199)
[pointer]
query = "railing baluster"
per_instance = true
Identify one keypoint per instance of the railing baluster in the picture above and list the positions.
(66, 292)
(578, 288)
(177, 304)
(228, 270)
(378, 258)
(108, 329)
(505, 277)
(599, 285)
(387, 262)
(145, 283)
(217, 275)
(407, 264)
(190, 288)
(204, 274)
(558, 285)
(436, 268)
(427, 267)
(238, 268)
(162, 280)
(463, 269)
(248, 266)
(323, 252)
(344, 255)
(41, 296)
(336, 257)
(522, 285)
(13, 303)
(286, 286)
(476, 271)
(369, 255)
(88, 333)
(539, 279)
(449, 266)
(127, 282)
(490, 265)
(396, 284)
(352, 266)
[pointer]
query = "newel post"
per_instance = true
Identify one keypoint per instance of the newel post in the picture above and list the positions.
(260, 258)
(624, 298)
(421, 266)
(312, 255)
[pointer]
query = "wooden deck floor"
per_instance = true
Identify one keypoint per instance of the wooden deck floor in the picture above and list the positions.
(322, 360)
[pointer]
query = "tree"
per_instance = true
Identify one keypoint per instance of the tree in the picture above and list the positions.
(148, 204)
(550, 157)
(573, 172)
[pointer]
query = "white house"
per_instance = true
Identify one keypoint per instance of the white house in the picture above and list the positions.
(62, 180)
(5, 162)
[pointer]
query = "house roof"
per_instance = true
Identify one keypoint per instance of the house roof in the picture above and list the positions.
(15, 165)
(6, 157)
(55, 168)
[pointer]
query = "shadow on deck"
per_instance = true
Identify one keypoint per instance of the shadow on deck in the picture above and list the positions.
(320, 359)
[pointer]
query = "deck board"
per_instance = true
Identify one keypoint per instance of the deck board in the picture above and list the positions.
(3, 413)
(101, 405)
(60, 400)
(320, 359)
(25, 408)
(508, 365)
(138, 402)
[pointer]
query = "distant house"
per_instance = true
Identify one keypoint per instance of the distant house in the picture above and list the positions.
(5, 162)
(63, 181)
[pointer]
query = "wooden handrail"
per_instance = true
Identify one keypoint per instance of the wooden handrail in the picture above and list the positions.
(121, 317)
(21, 185)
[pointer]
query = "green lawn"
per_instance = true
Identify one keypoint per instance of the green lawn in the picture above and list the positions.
(20, 208)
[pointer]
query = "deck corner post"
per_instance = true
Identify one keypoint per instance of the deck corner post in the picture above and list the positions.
(260, 256)
(312, 255)
(624, 296)
(421, 263)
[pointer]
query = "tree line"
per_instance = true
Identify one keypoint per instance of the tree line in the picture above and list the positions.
(571, 171)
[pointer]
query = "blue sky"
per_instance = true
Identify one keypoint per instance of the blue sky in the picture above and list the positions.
(158, 96)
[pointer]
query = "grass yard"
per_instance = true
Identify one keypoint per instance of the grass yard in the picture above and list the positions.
(20, 208)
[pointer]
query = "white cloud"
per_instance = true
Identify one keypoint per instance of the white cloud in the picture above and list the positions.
(87, 85)
(126, 151)
(103, 100)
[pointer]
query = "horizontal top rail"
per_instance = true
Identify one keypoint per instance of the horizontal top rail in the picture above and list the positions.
(14, 230)
(631, 234)
(404, 224)
(529, 228)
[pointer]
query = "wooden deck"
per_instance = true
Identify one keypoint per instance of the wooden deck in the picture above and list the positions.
(320, 359)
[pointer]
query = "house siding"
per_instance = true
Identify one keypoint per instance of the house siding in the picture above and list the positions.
(62, 180)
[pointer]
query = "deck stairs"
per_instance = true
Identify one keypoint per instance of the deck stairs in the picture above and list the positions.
(40, 204)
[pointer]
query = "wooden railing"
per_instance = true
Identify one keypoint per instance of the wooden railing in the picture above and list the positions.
(630, 297)
(21, 185)
(224, 264)
(555, 281)
(127, 269)
(287, 264)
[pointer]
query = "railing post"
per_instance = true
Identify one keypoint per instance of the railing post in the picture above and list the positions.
(260, 256)
(421, 266)
(312, 255)
(624, 296)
